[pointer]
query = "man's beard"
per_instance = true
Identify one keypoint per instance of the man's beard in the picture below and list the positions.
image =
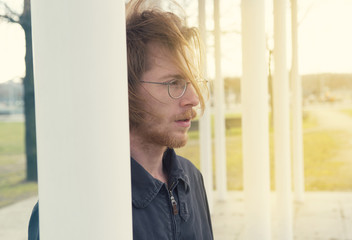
(153, 134)
(165, 139)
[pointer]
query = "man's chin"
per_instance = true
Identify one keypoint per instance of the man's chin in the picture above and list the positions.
(177, 142)
(178, 145)
(167, 139)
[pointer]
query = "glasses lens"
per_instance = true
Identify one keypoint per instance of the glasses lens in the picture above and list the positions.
(177, 88)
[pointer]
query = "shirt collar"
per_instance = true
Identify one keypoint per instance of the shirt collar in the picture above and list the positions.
(145, 187)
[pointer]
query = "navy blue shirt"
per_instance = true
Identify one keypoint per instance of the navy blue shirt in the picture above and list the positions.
(177, 210)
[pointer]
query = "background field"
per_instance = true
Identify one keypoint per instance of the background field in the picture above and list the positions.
(12, 164)
(327, 154)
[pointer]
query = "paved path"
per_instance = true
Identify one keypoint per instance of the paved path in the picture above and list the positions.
(332, 119)
(322, 216)
(14, 220)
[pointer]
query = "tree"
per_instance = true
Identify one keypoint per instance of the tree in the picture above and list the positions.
(24, 20)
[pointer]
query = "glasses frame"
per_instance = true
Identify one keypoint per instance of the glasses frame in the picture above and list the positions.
(168, 83)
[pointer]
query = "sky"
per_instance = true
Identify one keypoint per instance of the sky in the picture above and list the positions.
(324, 38)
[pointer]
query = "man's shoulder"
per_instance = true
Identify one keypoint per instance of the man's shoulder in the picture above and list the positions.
(187, 165)
(33, 228)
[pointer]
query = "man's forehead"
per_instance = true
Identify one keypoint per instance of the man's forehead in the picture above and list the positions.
(158, 54)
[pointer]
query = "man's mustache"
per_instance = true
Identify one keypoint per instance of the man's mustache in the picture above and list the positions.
(187, 115)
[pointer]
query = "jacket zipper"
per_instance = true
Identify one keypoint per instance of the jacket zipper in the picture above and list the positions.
(173, 201)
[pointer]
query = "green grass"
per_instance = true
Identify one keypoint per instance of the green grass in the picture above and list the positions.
(13, 186)
(323, 166)
(11, 138)
(347, 112)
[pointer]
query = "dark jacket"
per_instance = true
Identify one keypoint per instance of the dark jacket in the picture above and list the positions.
(178, 210)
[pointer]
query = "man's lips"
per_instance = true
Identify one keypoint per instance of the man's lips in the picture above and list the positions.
(184, 120)
(184, 123)
(187, 116)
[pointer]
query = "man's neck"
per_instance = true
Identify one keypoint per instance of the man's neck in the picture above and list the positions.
(149, 156)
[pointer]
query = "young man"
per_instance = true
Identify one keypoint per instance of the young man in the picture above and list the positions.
(168, 195)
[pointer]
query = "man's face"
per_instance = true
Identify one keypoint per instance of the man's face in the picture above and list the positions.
(169, 119)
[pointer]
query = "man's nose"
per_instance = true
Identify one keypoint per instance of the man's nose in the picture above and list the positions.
(190, 97)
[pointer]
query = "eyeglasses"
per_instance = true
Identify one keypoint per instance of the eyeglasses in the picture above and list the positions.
(175, 87)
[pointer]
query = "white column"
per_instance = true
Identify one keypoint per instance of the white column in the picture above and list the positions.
(206, 159)
(282, 124)
(297, 135)
(219, 105)
(255, 122)
(82, 119)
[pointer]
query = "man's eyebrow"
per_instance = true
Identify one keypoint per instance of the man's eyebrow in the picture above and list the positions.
(172, 76)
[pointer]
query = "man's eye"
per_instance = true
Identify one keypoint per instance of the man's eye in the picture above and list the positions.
(177, 82)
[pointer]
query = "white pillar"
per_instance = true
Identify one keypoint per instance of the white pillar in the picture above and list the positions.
(82, 119)
(297, 135)
(255, 122)
(282, 124)
(206, 159)
(219, 105)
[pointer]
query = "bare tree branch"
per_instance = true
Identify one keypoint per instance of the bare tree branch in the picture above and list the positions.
(8, 19)
(8, 9)
(10, 15)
